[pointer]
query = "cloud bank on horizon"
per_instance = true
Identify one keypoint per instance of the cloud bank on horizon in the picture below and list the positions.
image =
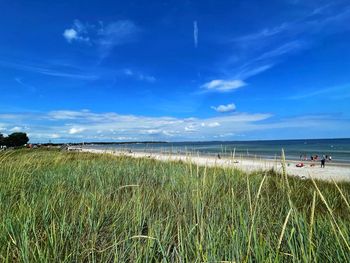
(84, 125)
(277, 71)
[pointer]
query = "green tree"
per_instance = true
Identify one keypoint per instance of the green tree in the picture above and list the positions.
(16, 139)
(1, 139)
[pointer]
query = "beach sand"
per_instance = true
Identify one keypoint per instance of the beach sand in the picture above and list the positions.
(336, 172)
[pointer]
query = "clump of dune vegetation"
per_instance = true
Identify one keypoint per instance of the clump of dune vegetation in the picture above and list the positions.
(81, 207)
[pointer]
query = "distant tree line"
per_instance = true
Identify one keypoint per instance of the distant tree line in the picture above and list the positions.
(15, 139)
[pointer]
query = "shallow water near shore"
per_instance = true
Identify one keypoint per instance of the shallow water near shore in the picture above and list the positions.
(339, 149)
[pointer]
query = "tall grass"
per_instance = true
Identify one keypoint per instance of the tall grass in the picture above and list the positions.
(74, 207)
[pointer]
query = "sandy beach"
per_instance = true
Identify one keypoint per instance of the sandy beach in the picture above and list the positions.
(336, 172)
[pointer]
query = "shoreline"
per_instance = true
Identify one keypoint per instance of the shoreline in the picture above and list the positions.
(333, 171)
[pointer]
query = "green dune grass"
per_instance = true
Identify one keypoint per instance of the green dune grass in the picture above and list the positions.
(80, 207)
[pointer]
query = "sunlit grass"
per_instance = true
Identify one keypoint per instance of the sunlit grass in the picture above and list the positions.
(73, 207)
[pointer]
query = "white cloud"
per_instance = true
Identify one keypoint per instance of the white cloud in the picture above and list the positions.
(213, 124)
(223, 85)
(84, 125)
(191, 128)
(139, 75)
(76, 130)
(151, 131)
(16, 129)
(68, 115)
(147, 78)
(70, 34)
(128, 72)
(195, 33)
(55, 136)
(225, 108)
(80, 27)
(78, 32)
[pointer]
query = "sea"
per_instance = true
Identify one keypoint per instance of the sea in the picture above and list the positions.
(338, 149)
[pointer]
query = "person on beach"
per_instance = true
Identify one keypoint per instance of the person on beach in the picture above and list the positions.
(323, 161)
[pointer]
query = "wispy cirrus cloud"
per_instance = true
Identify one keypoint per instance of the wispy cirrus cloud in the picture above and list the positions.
(285, 48)
(334, 92)
(48, 70)
(195, 33)
(254, 66)
(247, 70)
(73, 72)
(115, 34)
(223, 85)
(104, 36)
(268, 59)
(25, 85)
(264, 33)
(257, 52)
(324, 19)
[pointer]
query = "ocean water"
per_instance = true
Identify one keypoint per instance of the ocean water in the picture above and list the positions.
(339, 149)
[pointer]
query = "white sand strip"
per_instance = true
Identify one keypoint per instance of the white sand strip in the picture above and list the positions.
(330, 172)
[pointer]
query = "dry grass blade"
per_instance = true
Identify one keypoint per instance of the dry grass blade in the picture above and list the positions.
(312, 220)
(331, 214)
(283, 230)
(342, 194)
(254, 214)
(127, 186)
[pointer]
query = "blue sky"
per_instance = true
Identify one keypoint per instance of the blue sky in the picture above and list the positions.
(175, 70)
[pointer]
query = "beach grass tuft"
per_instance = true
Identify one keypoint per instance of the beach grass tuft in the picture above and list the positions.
(82, 207)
